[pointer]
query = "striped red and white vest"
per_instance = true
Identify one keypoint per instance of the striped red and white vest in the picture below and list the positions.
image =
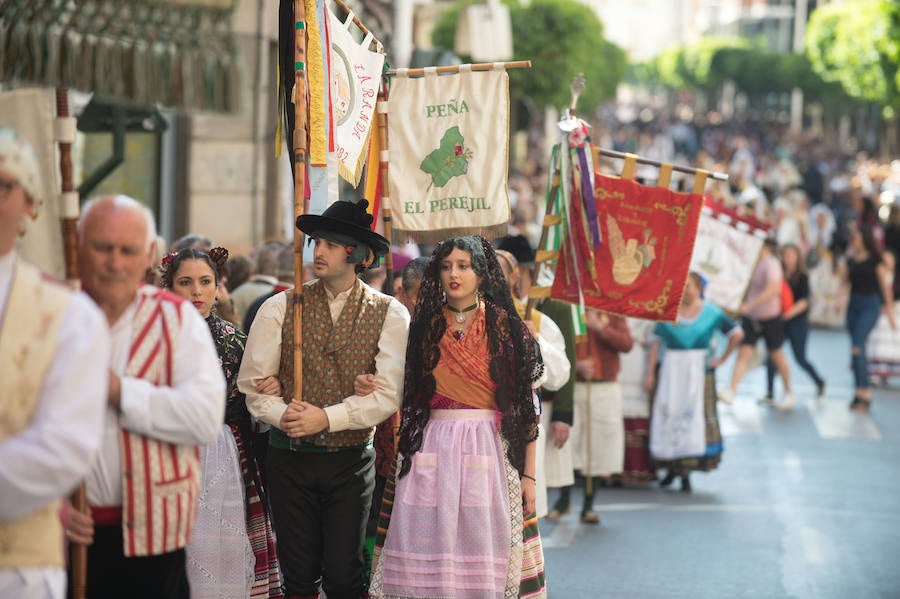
(160, 480)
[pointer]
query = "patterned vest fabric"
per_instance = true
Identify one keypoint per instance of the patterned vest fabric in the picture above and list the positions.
(28, 335)
(161, 480)
(333, 353)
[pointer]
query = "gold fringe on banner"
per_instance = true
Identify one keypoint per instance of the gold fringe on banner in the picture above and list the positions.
(353, 175)
(315, 73)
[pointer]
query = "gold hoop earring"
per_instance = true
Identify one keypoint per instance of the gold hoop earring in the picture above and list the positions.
(22, 230)
(37, 212)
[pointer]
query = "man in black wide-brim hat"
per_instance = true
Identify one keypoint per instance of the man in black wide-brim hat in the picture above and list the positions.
(321, 458)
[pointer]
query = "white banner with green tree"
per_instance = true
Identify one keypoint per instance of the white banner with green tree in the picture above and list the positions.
(449, 150)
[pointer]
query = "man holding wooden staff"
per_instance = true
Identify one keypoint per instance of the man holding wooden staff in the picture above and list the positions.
(321, 455)
(166, 397)
(53, 353)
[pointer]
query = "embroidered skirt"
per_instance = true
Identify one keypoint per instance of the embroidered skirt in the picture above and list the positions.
(219, 557)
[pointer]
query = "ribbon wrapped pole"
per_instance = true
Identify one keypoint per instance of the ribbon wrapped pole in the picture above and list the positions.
(299, 146)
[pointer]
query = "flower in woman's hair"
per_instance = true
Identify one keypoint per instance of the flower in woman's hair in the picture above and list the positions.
(219, 256)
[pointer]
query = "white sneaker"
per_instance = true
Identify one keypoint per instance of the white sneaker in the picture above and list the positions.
(726, 396)
(787, 401)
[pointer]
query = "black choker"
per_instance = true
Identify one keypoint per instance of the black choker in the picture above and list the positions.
(460, 314)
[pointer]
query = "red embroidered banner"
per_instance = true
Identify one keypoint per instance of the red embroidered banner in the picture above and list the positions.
(641, 265)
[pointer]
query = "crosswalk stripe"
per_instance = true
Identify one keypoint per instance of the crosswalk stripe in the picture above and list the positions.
(834, 420)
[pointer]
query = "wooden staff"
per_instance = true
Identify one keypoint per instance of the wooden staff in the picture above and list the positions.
(300, 146)
(480, 66)
(359, 23)
(675, 167)
(381, 120)
(69, 223)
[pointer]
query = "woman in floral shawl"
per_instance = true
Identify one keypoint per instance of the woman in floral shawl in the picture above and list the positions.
(458, 517)
(232, 548)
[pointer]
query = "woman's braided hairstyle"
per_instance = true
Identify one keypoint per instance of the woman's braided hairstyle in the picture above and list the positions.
(515, 360)
(171, 262)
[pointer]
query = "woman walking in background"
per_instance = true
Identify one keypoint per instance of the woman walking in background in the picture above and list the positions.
(231, 553)
(870, 290)
(796, 320)
(458, 513)
(684, 426)
(883, 348)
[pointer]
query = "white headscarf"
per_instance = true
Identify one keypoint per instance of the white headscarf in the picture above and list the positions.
(18, 159)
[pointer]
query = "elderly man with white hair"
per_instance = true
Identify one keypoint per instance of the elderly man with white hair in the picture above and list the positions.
(166, 397)
(53, 353)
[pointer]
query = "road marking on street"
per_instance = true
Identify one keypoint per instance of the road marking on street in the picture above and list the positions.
(743, 417)
(814, 545)
(562, 536)
(631, 507)
(793, 467)
(834, 420)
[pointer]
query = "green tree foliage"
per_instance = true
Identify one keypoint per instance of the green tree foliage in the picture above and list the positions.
(693, 66)
(561, 38)
(748, 64)
(857, 44)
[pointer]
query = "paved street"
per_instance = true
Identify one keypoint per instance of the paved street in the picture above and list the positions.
(804, 504)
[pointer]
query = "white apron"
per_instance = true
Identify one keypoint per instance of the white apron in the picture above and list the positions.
(540, 474)
(678, 424)
(598, 431)
(557, 463)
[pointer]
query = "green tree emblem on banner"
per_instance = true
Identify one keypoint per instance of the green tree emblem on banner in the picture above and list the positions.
(450, 160)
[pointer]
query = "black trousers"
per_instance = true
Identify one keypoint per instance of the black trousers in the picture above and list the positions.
(796, 330)
(111, 575)
(320, 504)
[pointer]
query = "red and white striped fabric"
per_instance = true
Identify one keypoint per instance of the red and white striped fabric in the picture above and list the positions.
(160, 480)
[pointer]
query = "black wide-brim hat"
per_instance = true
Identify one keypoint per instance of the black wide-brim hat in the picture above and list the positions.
(346, 218)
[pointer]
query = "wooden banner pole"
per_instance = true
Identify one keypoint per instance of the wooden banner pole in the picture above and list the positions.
(69, 223)
(359, 24)
(381, 118)
(481, 66)
(301, 124)
(675, 167)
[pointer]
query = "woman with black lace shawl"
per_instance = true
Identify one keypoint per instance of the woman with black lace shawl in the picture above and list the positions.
(232, 548)
(458, 515)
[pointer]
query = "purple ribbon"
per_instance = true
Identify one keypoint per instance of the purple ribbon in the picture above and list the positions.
(587, 197)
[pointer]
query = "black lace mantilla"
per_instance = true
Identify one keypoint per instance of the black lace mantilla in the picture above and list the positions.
(515, 362)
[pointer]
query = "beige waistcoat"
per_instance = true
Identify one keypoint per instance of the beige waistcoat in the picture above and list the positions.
(28, 334)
